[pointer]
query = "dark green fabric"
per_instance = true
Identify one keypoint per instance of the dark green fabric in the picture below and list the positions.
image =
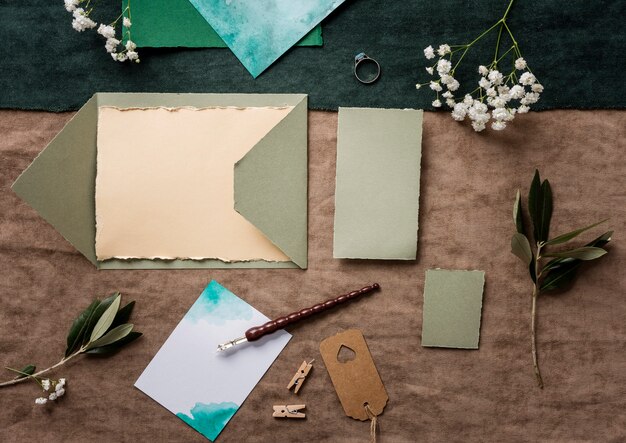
(575, 47)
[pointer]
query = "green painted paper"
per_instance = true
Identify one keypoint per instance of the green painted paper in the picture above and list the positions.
(60, 183)
(452, 308)
(378, 182)
(177, 23)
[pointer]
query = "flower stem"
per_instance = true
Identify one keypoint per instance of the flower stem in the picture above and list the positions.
(43, 371)
(533, 319)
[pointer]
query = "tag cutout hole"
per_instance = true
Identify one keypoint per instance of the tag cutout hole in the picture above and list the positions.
(345, 354)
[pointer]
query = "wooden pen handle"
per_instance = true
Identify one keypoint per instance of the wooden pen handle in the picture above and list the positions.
(257, 332)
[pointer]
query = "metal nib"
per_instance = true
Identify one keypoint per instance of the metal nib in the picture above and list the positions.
(230, 344)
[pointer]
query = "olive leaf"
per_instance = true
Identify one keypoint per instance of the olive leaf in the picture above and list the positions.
(521, 248)
(517, 213)
(584, 253)
(112, 336)
(78, 328)
(114, 347)
(573, 234)
(97, 313)
(105, 319)
(561, 271)
(540, 207)
(546, 210)
(123, 315)
(24, 372)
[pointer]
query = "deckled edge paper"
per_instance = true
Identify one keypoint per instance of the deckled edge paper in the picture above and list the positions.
(452, 308)
(378, 183)
(192, 380)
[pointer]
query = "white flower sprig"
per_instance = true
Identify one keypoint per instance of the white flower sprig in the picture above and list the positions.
(499, 96)
(100, 329)
(119, 51)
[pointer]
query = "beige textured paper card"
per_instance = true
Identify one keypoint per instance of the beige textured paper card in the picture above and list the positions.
(378, 179)
(164, 183)
(452, 308)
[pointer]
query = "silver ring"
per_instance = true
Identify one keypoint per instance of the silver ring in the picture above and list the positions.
(362, 59)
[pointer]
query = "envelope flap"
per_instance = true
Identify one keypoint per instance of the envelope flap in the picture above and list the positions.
(271, 185)
(59, 184)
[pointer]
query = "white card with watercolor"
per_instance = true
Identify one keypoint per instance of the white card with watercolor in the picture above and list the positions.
(191, 379)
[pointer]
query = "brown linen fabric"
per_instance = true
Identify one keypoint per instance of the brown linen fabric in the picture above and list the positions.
(436, 395)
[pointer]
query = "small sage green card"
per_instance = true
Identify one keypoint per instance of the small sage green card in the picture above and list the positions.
(452, 308)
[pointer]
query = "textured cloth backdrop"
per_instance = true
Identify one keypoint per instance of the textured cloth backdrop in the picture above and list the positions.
(435, 395)
(575, 47)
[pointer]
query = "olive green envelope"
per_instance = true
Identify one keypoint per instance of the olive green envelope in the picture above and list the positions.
(270, 184)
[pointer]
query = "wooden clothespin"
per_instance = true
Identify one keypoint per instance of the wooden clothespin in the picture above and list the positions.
(300, 376)
(288, 411)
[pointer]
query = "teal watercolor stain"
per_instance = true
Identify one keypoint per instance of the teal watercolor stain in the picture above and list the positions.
(209, 419)
(217, 305)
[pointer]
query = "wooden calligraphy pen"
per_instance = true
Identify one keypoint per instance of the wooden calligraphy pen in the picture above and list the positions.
(257, 332)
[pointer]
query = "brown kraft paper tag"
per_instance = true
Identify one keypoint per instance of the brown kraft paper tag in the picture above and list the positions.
(356, 381)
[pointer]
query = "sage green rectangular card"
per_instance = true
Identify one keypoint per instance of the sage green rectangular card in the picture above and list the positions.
(453, 303)
(378, 183)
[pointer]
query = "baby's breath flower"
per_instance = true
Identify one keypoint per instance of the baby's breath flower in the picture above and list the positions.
(443, 66)
(41, 401)
(527, 79)
(523, 109)
(482, 70)
(52, 397)
(495, 77)
(498, 125)
(450, 102)
(418, 85)
(447, 94)
(459, 112)
(517, 92)
(82, 21)
(530, 98)
(126, 22)
(436, 103)
(70, 5)
(435, 86)
(537, 87)
(520, 64)
(491, 92)
(430, 70)
(484, 83)
(132, 56)
(130, 45)
(106, 31)
(454, 85)
(60, 392)
(429, 52)
(446, 79)
(111, 45)
(45, 384)
(443, 50)
(478, 126)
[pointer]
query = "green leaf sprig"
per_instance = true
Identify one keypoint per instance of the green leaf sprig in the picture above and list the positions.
(101, 329)
(559, 272)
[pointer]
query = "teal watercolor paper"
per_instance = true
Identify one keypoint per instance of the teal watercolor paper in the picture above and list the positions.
(209, 420)
(207, 397)
(259, 32)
